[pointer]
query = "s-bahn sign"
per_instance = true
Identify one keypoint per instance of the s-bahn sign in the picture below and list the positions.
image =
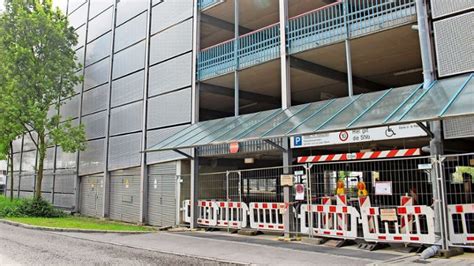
(358, 135)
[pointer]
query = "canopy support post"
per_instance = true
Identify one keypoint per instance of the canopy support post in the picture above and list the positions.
(426, 129)
(281, 148)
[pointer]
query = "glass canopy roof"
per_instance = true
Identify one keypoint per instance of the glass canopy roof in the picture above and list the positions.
(445, 98)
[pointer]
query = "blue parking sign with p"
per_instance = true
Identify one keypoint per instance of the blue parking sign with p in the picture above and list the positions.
(297, 141)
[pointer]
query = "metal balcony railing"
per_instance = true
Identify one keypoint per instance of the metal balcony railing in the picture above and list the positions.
(329, 24)
(203, 4)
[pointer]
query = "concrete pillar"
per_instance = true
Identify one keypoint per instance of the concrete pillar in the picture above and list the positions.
(284, 58)
(350, 86)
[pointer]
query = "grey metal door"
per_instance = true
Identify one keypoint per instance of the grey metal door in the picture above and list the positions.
(91, 190)
(162, 194)
(125, 195)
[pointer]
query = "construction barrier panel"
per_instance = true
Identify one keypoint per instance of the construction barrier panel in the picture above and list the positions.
(207, 213)
(232, 214)
(330, 221)
(267, 216)
(389, 224)
(461, 229)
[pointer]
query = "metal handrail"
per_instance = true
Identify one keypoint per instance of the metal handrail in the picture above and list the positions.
(309, 30)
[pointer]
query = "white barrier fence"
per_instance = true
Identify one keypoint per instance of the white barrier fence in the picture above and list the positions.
(461, 229)
(267, 216)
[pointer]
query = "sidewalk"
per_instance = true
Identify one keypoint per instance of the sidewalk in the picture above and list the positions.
(225, 247)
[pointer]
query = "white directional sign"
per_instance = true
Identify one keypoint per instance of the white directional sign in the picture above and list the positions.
(358, 135)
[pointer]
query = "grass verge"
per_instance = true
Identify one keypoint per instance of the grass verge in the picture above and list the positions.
(76, 222)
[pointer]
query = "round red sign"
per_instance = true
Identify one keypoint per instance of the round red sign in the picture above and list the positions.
(234, 147)
(343, 135)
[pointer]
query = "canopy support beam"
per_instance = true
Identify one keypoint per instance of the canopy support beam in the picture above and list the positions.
(426, 129)
(275, 145)
(184, 154)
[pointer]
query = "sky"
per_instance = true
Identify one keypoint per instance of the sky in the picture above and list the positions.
(1, 5)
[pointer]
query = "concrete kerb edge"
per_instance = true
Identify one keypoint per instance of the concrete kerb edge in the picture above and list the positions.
(70, 230)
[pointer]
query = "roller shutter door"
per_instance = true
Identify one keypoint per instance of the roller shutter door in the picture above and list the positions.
(162, 194)
(125, 195)
(91, 195)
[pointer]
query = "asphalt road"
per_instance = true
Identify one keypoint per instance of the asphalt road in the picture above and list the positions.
(21, 246)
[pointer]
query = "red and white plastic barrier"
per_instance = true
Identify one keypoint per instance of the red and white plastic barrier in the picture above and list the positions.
(267, 216)
(232, 214)
(457, 216)
(345, 217)
(186, 211)
(378, 230)
(360, 155)
(207, 212)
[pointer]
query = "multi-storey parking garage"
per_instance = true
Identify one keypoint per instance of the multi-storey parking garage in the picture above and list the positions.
(197, 111)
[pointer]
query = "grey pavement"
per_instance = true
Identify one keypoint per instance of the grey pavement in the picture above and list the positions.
(20, 246)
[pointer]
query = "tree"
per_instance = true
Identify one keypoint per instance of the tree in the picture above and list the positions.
(40, 69)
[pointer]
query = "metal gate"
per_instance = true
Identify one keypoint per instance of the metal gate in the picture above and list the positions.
(91, 195)
(125, 195)
(162, 187)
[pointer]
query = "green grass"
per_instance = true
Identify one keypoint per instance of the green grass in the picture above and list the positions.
(6, 204)
(75, 222)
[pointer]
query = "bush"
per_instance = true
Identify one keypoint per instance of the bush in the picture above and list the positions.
(29, 208)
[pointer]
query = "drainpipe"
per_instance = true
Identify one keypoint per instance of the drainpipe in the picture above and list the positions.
(236, 57)
(436, 143)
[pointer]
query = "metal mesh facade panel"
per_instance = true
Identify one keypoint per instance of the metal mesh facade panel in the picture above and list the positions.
(69, 108)
(92, 159)
(127, 89)
(27, 181)
(98, 49)
(95, 125)
(65, 160)
(129, 60)
(170, 109)
(81, 36)
(462, 127)
(91, 197)
(124, 151)
(125, 195)
(64, 200)
(171, 42)
(171, 75)
(441, 8)
(28, 143)
(64, 183)
(95, 100)
(169, 13)
(97, 6)
(78, 16)
(28, 161)
(80, 56)
(49, 160)
(455, 44)
(74, 4)
(96, 74)
(131, 32)
(127, 9)
(47, 183)
(156, 136)
(127, 118)
(100, 25)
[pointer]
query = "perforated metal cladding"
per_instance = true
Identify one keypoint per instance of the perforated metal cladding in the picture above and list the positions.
(124, 151)
(125, 195)
(98, 49)
(168, 13)
(162, 194)
(47, 184)
(441, 8)
(130, 32)
(128, 89)
(95, 125)
(170, 109)
(247, 146)
(27, 181)
(95, 100)
(129, 60)
(100, 25)
(127, 9)
(65, 160)
(171, 75)
(49, 160)
(92, 159)
(171, 42)
(91, 195)
(97, 6)
(96, 74)
(455, 44)
(28, 194)
(462, 127)
(69, 108)
(17, 144)
(64, 200)
(64, 183)
(78, 16)
(156, 136)
(28, 161)
(127, 118)
(28, 144)
(81, 37)
(80, 56)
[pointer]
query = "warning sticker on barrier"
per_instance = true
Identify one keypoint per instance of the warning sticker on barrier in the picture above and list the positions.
(388, 215)
(299, 189)
(383, 188)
